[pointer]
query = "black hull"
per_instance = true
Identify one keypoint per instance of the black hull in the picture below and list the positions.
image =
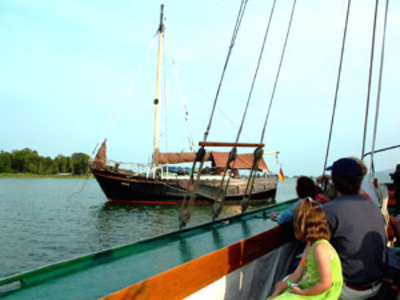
(124, 188)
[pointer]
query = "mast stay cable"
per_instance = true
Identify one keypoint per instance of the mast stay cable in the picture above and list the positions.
(278, 72)
(219, 201)
(379, 86)
(124, 104)
(182, 97)
(258, 153)
(187, 205)
(369, 79)
(337, 86)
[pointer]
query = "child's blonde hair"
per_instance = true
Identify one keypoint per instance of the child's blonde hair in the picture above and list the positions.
(310, 222)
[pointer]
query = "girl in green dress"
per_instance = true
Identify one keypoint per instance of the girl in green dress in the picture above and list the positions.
(319, 274)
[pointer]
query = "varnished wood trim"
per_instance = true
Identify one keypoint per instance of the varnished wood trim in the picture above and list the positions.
(219, 144)
(186, 279)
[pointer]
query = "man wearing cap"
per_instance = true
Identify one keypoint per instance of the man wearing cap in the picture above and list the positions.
(358, 232)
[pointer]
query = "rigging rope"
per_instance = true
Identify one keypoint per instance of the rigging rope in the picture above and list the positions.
(184, 104)
(208, 98)
(379, 87)
(256, 72)
(76, 190)
(369, 79)
(233, 40)
(258, 153)
(130, 93)
(186, 208)
(217, 208)
(337, 86)
(278, 72)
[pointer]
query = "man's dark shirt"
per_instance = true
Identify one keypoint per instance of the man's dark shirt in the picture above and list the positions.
(358, 235)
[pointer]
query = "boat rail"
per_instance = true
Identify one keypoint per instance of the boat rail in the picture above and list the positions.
(98, 274)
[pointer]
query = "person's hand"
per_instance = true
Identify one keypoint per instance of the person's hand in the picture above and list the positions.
(296, 290)
(279, 288)
(321, 179)
(274, 216)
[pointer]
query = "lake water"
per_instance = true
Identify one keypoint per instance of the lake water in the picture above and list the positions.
(40, 223)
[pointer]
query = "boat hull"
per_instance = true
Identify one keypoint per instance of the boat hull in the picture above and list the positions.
(125, 188)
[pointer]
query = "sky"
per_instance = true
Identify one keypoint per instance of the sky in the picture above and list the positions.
(75, 72)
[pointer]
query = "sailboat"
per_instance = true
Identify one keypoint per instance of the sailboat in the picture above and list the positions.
(159, 183)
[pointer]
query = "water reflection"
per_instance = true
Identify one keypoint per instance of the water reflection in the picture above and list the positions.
(218, 241)
(185, 249)
(121, 223)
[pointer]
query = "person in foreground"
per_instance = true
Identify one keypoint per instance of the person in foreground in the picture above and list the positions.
(319, 274)
(358, 232)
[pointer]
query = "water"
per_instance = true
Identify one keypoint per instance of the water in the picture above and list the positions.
(41, 224)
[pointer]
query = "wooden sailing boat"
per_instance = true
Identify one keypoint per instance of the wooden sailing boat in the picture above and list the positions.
(157, 184)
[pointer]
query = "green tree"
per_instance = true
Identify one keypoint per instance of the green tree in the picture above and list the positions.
(25, 160)
(80, 162)
(29, 161)
(49, 166)
(62, 163)
(5, 162)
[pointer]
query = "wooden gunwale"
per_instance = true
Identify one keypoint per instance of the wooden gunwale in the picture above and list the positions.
(184, 280)
(222, 144)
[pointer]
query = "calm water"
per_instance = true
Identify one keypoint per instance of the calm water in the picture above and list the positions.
(41, 224)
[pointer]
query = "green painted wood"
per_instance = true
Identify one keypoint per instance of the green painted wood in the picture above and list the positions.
(99, 274)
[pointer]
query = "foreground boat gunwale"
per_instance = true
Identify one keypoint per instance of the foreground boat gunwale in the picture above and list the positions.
(66, 267)
(207, 269)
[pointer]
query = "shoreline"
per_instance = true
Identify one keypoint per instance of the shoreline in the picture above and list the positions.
(55, 176)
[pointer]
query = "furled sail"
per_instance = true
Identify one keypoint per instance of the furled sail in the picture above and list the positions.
(218, 159)
(178, 157)
(101, 157)
(243, 161)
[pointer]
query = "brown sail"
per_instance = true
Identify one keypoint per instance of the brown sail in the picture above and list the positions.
(101, 157)
(177, 157)
(218, 159)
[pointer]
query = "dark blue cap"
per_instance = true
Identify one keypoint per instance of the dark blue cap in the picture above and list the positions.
(346, 167)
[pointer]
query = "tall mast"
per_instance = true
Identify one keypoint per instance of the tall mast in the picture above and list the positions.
(158, 85)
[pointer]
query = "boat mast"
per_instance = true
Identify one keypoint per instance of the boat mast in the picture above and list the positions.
(158, 88)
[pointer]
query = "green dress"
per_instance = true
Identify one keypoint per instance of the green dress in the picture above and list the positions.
(311, 277)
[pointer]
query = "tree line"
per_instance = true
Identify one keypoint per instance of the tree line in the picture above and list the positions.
(29, 161)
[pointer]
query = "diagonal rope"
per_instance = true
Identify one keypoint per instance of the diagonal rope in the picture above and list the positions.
(187, 205)
(256, 71)
(379, 87)
(182, 98)
(369, 79)
(258, 153)
(217, 208)
(233, 40)
(337, 86)
(134, 80)
(278, 72)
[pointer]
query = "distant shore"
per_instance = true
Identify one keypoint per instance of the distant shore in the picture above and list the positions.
(31, 175)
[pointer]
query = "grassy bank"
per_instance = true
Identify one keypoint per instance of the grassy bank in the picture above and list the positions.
(31, 175)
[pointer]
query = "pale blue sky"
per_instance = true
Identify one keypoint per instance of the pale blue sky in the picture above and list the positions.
(74, 72)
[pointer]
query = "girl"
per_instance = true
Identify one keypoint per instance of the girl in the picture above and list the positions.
(319, 274)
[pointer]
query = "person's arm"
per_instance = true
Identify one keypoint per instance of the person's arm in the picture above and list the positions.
(284, 284)
(323, 254)
(293, 278)
(288, 215)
